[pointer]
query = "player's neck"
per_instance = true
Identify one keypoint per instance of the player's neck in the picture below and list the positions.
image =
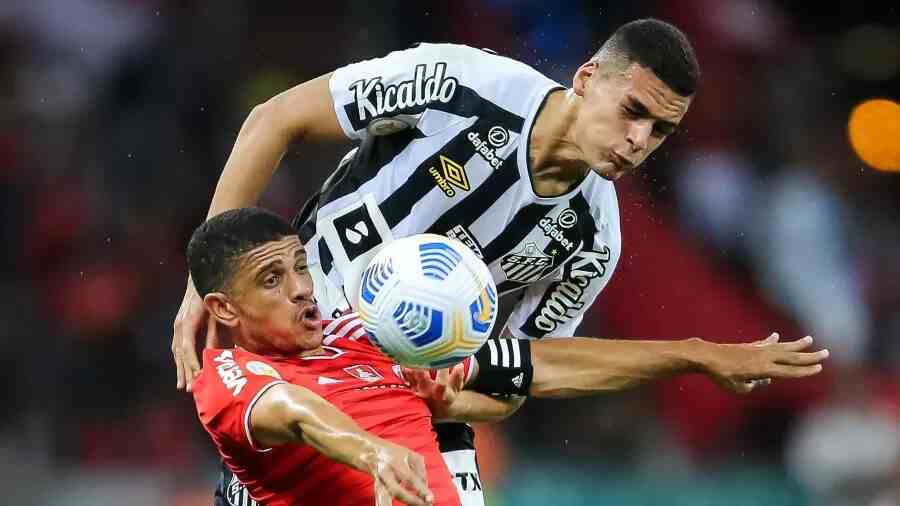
(262, 347)
(555, 161)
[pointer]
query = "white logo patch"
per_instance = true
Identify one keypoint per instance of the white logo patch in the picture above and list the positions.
(498, 136)
(231, 374)
(262, 369)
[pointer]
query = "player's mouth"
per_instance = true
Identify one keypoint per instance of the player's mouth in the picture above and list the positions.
(620, 162)
(310, 317)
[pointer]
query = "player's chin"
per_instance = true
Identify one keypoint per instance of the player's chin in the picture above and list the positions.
(610, 175)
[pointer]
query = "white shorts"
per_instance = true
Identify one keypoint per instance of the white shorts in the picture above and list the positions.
(464, 471)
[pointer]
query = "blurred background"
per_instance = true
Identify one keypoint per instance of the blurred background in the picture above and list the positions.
(117, 117)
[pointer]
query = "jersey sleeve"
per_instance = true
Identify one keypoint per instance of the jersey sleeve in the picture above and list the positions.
(230, 384)
(383, 95)
(556, 308)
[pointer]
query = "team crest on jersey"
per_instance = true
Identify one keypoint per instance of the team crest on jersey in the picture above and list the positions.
(262, 369)
(451, 177)
(365, 373)
(526, 265)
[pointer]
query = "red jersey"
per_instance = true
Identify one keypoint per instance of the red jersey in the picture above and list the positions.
(353, 375)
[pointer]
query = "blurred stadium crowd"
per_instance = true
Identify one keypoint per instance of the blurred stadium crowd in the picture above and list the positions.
(118, 116)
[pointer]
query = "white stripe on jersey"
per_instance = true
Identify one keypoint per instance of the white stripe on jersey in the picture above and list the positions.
(359, 332)
(493, 348)
(505, 352)
(517, 358)
(331, 327)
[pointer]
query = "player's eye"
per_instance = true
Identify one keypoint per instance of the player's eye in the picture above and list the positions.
(271, 280)
(300, 268)
(662, 130)
(629, 112)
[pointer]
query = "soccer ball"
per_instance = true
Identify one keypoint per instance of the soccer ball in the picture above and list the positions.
(427, 301)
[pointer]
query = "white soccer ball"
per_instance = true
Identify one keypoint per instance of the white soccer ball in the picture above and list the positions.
(427, 301)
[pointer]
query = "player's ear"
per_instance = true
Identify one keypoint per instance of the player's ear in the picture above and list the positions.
(221, 308)
(582, 75)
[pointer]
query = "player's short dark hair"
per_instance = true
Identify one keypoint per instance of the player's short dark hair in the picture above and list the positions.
(216, 245)
(660, 47)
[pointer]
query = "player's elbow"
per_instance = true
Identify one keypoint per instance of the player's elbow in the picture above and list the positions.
(271, 118)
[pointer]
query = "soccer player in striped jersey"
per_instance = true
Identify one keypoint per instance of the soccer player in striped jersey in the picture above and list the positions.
(485, 149)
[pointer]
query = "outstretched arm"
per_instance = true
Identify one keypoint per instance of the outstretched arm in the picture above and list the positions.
(572, 367)
(506, 370)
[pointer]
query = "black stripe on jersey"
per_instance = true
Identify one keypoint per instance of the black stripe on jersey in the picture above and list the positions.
(326, 260)
(465, 102)
(509, 286)
(400, 203)
(521, 225)
(586, 223)
(481, 199)
(304, 221)
(374, 153)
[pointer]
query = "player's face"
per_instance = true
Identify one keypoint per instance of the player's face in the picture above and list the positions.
(624, 116)
(273, 297)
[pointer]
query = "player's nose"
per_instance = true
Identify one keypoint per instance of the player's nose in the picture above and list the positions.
(300, 288)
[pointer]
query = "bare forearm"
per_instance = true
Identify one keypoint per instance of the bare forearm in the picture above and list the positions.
(475, 407)
(336, 436)
(292, 414)
(302, 114)
(573, 367)
(258, 150)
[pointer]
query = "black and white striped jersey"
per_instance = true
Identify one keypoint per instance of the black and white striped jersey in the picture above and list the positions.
(444, 134)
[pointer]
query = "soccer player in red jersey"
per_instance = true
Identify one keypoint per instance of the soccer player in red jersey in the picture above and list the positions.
(262, 402)
(298, 398)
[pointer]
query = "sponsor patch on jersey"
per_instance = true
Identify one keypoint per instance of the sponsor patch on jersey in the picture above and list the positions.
(561, 303)
(372, 98)
(462, 234)
(498, 136)
(262, 369)
(357, 232)
(451, 177)
(365, 373)
(484, 147)
(560, 230)
(230, 372)
(526, 265)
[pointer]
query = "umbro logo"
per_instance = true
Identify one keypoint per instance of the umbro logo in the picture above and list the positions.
(452, 176)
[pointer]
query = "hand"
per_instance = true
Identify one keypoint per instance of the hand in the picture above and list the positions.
(440, 392)
(742, 367)
(191, 320)
(399, 474)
